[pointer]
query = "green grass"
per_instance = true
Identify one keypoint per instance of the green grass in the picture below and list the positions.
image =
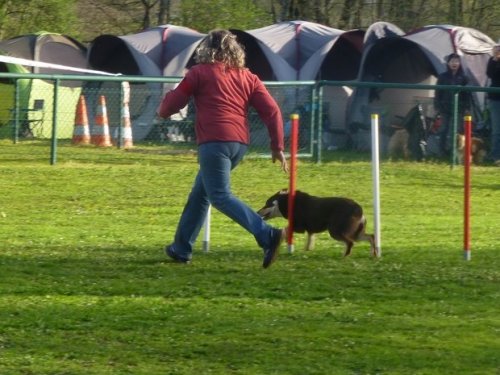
(85, 287)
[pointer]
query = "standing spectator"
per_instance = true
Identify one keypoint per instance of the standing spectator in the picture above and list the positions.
(443, 101)
(223, 89)
(493, 73)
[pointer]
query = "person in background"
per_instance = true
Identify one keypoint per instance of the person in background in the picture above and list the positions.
(443, 101)
(493, 73)
(223, 89)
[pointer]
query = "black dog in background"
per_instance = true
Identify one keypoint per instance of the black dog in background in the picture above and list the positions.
(342, 217)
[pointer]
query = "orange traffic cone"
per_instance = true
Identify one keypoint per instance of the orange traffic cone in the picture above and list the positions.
(81, 133)
(100, 131)
(127, 139)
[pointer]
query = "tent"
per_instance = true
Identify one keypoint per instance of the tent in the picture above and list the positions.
(7, 93)
(50, 48)
(160, 51)
(417, 58)
(297, 51)
(302, 51)
(287, 51)
(380, 30)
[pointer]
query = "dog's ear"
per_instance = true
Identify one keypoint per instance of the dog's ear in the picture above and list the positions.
(283, 191)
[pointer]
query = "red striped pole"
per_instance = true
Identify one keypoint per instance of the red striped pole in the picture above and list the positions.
(293, 175)
(467, 179)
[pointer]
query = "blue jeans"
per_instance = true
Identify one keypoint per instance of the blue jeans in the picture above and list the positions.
(494, 106)
(212, 185)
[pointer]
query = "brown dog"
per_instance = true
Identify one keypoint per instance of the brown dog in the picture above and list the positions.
(342, 217)
(478, 149)
(398, 144)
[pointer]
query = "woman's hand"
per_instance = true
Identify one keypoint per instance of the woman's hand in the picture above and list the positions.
(280, 156)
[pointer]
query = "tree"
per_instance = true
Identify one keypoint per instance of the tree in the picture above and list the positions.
(204, 15)
(30, 16)
(164, 12)
(87, 19)
(147, 6)
(350, 17)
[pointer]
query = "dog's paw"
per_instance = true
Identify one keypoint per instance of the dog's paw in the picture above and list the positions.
(348, 251)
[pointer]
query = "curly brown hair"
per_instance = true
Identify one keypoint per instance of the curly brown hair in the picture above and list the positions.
(221, 46)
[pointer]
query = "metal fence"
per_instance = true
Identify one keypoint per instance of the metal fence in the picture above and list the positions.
(345, 121)
(38, 106)
(333, 115)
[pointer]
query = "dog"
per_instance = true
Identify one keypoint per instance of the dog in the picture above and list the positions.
(478, 149)
(398, 144)
(342, 217)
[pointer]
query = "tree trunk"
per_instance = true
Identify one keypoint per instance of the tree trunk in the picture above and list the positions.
(164, 12)
(455, 12)
(380, 10)
(285, 4)
(345, 16)
(147, 6)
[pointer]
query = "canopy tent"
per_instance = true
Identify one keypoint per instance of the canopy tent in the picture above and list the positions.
(297, 50)
(49, 48)
(416, 58)
(380, 30)
(341, 63)
(301, 51)
(160, 51)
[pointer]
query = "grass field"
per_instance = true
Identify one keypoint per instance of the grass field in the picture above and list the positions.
(86, 289)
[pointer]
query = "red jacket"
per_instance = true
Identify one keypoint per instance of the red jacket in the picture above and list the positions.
(222, 97)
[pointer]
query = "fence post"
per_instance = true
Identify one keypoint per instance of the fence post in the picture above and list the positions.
(467, 161)
(15, 129)
(124, 99)
(293, 176)
(53, 145)
(454, 130)
(319, 145)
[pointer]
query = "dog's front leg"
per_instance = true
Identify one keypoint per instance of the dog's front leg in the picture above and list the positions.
(310, 241)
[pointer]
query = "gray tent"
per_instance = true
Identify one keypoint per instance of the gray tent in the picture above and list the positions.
(160, 51)
(380, 30)
(417, 58)
(287, 51)
(297, 50)
(301, 51)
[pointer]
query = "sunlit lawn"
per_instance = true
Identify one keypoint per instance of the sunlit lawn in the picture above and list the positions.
(86, 289)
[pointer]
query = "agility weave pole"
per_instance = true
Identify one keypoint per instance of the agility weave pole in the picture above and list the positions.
(467, 184)
(376, 182)
(294, 140)
(206, 231)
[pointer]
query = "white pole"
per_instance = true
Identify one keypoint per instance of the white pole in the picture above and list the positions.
(376, 183)
(206, 233)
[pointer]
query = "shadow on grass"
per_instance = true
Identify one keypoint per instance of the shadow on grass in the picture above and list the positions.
(304, 276)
